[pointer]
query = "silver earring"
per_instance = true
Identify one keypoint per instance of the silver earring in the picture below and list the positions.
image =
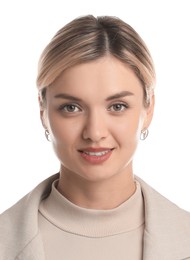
(47, 135)
(144, 134)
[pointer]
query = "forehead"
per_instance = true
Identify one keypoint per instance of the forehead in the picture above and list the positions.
(105, 76)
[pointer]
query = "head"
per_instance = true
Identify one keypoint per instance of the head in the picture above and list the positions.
(93, 65)
(87, 39)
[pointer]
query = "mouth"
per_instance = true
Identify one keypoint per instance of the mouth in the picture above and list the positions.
(96, 155)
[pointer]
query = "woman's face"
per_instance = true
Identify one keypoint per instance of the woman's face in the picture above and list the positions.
(95, 115)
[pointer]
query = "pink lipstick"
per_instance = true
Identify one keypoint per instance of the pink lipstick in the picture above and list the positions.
(96, 155)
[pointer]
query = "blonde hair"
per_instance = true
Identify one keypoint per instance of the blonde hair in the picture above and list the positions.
(88, 38)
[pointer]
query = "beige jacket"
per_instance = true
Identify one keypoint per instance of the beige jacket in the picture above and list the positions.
(166, 236)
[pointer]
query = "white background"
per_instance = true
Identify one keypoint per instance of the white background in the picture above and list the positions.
(26, 158)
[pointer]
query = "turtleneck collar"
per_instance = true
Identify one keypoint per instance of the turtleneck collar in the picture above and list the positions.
(90, 222)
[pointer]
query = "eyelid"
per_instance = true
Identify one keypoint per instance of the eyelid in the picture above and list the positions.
(126, 105)
(62, 106)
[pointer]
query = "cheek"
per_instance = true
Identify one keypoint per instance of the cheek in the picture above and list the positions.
(63, 131)
(128, 128)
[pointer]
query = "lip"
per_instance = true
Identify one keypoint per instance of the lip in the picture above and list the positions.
(95, 149)
(96, 155)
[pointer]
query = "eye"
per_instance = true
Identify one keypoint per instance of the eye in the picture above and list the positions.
(69, 108)
(118, 107)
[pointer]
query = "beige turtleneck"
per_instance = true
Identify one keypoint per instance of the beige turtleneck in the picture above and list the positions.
(73, 233)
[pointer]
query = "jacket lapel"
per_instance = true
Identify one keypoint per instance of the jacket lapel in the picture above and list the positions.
(167, 228)
(30, 242)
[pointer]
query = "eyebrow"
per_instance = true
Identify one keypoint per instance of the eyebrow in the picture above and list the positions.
(66, 96)
(115, 96)
(119, 95)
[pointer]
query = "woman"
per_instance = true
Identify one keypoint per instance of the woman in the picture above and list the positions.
(96, 93)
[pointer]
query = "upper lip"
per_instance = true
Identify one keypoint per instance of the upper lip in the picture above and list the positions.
(95, 150)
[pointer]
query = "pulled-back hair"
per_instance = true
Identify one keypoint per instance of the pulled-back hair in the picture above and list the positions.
(88, 38)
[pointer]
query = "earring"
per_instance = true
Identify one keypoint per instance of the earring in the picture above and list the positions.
(144, 134)
(47, 135)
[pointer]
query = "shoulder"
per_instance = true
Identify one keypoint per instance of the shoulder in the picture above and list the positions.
(154, 199)
(18, 224)
(167, 227)
(156, 203)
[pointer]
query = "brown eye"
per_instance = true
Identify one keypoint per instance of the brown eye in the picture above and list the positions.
(69, 108)
(118, 107)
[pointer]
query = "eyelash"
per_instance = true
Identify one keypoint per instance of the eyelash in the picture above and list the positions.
(123, 105)
(64, 107)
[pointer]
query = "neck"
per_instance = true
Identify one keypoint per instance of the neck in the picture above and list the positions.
(104, 194)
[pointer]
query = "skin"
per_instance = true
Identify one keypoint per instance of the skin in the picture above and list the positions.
(98, 119)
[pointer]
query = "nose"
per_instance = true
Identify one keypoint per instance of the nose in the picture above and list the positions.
(95, 128)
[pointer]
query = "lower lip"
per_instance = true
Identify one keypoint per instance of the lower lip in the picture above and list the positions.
(96, 159)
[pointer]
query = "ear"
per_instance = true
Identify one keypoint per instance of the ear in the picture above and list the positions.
(149, 113)
(42, 112)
